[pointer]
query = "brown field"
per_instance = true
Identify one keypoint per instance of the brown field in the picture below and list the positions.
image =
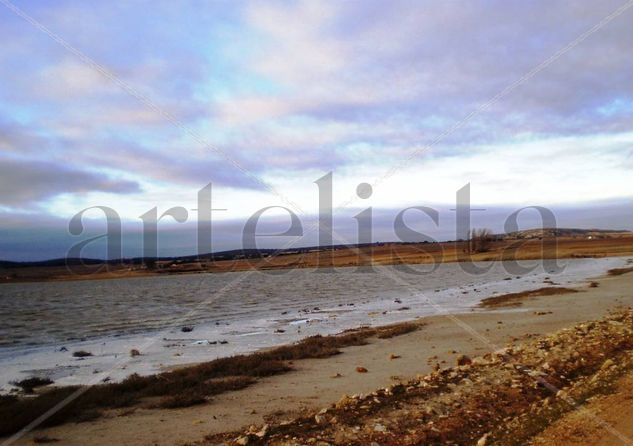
(617, 244)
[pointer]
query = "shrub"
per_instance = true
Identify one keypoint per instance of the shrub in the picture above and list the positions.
(480, 240)
(29, 384)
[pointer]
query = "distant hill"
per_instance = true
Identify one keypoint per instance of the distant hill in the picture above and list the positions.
(51, 262)
(235, 254)
(238, 254)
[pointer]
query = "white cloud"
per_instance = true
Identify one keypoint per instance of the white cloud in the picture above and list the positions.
(71, 78)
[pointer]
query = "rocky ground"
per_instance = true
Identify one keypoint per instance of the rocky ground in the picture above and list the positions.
(507, 397)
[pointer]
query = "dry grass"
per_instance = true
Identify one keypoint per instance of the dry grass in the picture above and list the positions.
(44, 439)
(81, 354)
(27, 385)
(196, 396)
(514, 299)
(396, 330)
(7, 399)
(188, 399)
(182, 387)
(620, 271)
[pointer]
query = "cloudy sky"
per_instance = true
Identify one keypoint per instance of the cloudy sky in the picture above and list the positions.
(140, 104)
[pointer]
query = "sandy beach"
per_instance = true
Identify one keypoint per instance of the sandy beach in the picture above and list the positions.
(317, 383)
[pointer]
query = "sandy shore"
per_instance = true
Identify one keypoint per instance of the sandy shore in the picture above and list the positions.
(317, 383)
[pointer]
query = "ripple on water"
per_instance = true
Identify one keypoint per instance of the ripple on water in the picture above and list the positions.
(47, 313)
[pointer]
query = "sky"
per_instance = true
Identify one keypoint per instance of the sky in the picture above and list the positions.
(135, 105)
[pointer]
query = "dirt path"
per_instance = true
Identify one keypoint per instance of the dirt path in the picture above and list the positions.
(575, 429)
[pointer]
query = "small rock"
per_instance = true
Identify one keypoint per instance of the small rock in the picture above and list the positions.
(134, 352)
(464, 360)
(186, 329)
(320, 419)
(263, 432)
(483, 441)
(608, 363)
(392, 356)
(361, 369)
(343, 402)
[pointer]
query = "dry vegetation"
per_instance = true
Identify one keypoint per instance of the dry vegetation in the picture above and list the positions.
(516, 299)
(480, 240)
(182, 387)
(620, 271)
(29, 384)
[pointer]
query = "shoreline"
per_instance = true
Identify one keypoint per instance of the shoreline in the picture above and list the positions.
(312, 383)
(174, 349)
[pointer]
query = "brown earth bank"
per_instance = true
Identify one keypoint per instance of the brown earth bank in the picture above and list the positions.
(611, 244)
(608, 426)
(378, 363)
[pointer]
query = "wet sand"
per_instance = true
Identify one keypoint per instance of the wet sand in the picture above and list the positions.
(313, 384)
